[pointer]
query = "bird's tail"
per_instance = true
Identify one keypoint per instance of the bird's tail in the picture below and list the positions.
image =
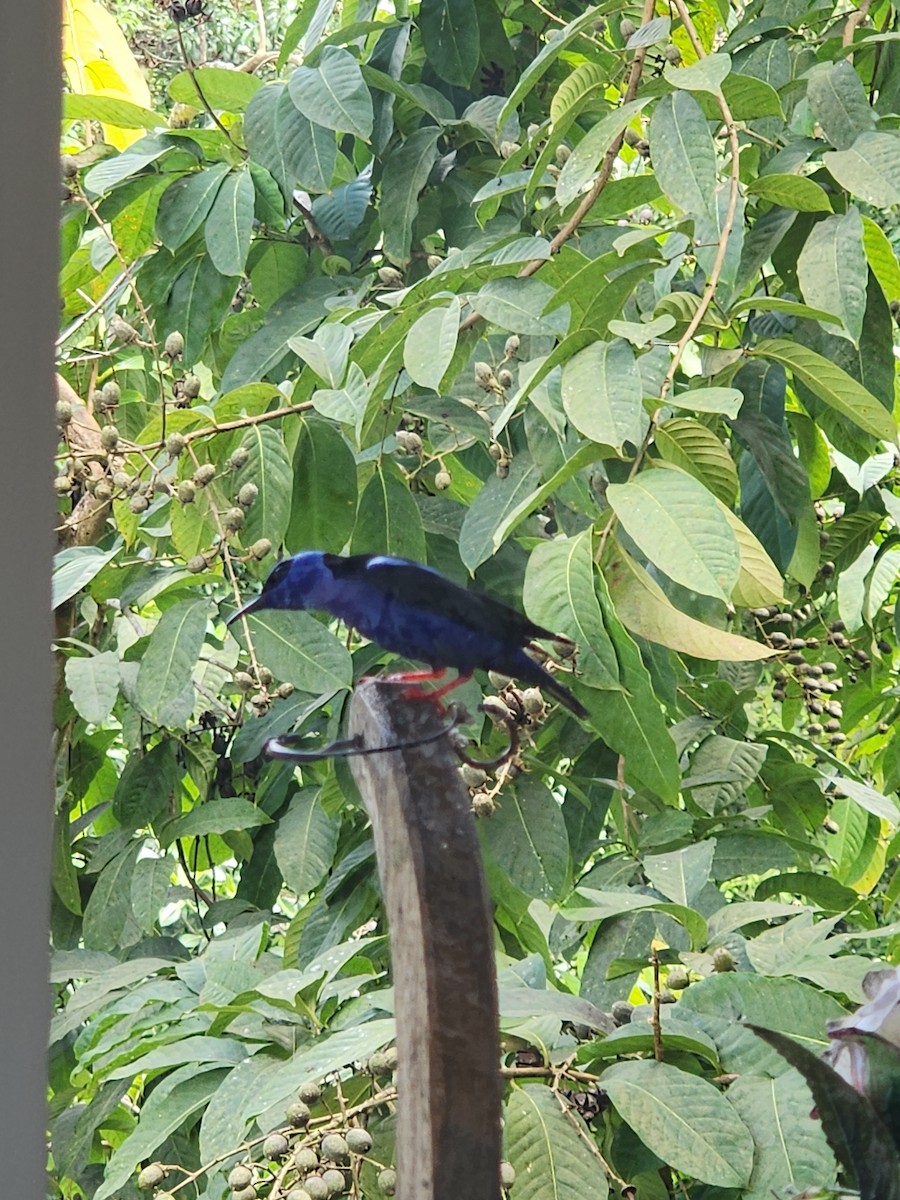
(534, 673)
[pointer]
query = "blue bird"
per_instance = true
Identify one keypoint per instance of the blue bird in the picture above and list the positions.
(415, 611)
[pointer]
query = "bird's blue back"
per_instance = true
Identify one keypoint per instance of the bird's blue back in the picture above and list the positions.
(416, 631)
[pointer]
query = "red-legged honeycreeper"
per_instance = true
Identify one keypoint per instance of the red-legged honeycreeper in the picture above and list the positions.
(415, 611)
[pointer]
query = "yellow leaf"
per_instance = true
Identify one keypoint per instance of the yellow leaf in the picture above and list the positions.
(644, 608)
(759, 583)
(98, 61)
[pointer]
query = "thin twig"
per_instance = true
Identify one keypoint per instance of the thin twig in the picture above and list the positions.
(592, 1146)
(192, 71)
(853, 21)
(261, 21)
(655, 1023)
(733, 193)
(590, 199)
(195, 887)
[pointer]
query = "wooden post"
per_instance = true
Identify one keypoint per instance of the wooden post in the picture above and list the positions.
(448, 1121)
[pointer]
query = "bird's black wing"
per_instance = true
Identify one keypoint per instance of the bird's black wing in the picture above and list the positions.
(422, 587)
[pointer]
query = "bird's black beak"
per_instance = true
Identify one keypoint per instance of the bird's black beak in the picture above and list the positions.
(251, 606)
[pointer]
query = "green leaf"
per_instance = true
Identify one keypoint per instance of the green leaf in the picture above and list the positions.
(406, 170)
(870, 169)
(868, 797)
(326, 352)
(215, 816)
(559, 594)
(110, 171)
(348, 404)
(791, 191)
(164, 690)
(833, 272)
(229, 226)
(776, 304)
(430, 345)
(759, 582)
(64, 873)
(324, 1055)
(194, 1050)
(707, 75)
(109, 904)
(305, 841)
(684, 1120)
(199, 299)
(298, 311)
(854, 1129)
(832, 385)
(571, 95)
(601, 906)
(708, 230)
(637, 1038)
(449, 31)
(651, 33)
(174, 1099)
(334, 94)
(150, 885)
(838, 101)
(748, 98)
(584, 161)
(269, 467)
(497, 498)
(323, 504)
(550, 51)
(527, 837)
(722, 1003)
(146, 785)
(646, 610)
(772, 454)
(882, 259)
(296, 152)
(222, 89)
(518, 305)
(111, 110)
(791, 1149)
(631, 720)
(684, 158)
(549, 1149)
(223, 1123)
(584, 456)
(602, 394)
(677, 523)
(185, 205)
(300, 650)
(75, 567)
(727, 400)
(193, 527)
(735, 763)
(94, 1115)
(94, 684)
(681, 874)
(695, 449)
(276, 268)
(388, 519)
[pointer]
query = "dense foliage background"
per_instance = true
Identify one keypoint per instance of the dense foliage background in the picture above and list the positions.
(593, 305)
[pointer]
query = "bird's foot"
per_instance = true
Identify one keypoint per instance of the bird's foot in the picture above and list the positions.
(414, 676)
(412, 679)
(433, 697)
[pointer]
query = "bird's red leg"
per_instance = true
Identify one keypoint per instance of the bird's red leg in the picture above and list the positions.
(414, 676)
(414, 693)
